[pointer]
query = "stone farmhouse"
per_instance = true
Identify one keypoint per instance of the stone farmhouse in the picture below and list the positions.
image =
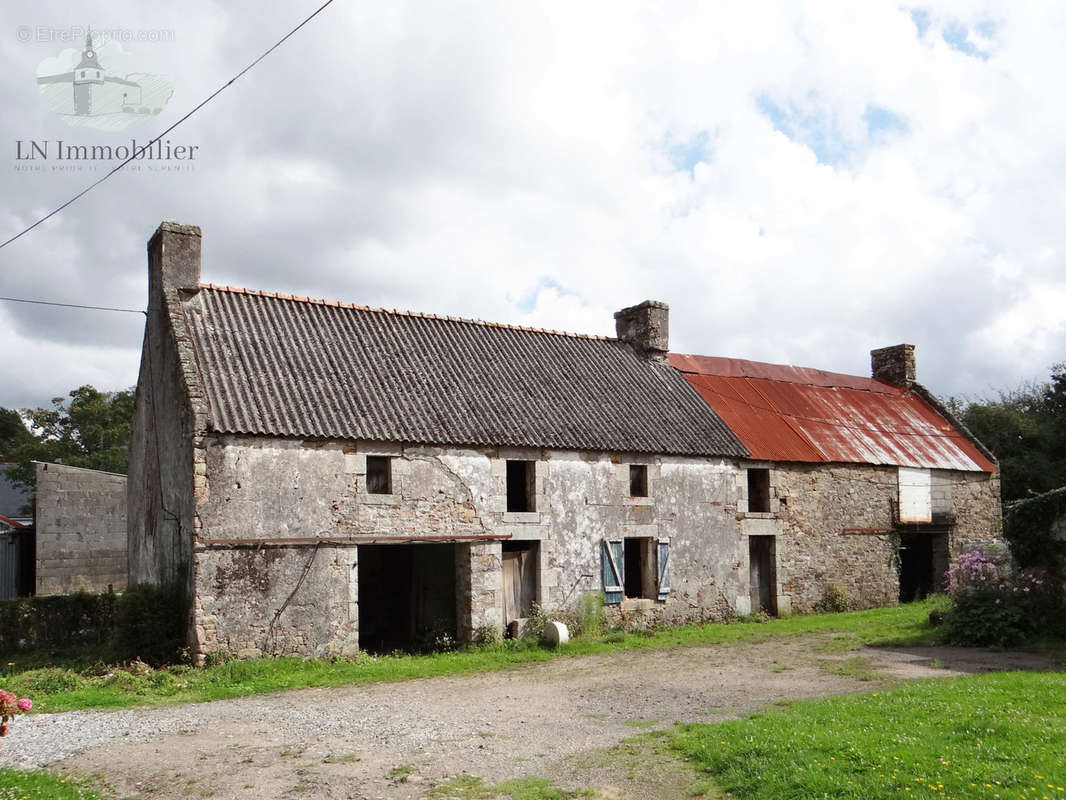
(325, 477)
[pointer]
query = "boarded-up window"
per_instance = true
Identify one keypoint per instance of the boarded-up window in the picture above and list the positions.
(521, 483)
(915, 495)
(379, 474)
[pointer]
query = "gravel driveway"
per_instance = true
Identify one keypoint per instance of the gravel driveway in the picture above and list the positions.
(557, 720)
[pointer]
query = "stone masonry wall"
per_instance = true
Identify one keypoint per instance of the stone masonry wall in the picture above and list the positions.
(264, 503)
(81, 530)
(281, 600)
(280, 523)
(836, 527)
(167, 419)
(976, 506)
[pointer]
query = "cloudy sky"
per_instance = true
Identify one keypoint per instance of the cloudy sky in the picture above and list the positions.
(800, 182)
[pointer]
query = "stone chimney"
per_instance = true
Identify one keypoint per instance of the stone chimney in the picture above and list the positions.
(173, 261)
(894, 364)
(646, 327)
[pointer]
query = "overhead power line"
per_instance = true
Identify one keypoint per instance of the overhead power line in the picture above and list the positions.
(72, 305)
(133, 155)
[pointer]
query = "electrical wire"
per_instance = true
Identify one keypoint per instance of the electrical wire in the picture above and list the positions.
(73, 305)
(134, 155)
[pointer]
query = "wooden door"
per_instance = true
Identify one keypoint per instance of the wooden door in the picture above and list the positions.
(519, 581)
(763, 581)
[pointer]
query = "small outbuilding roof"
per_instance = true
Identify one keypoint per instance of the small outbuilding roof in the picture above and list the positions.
(13, 496)
(279, 365)
(11, 523)
(784, 413)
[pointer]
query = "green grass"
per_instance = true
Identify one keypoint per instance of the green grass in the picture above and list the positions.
(857, 667)
(471, 787)
(96, 686)
(987, 736)
(400, 774)
(37, 785)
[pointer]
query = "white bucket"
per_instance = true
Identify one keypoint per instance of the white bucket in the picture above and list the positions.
(555, 634)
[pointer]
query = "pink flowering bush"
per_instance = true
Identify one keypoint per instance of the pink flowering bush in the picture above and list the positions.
(10, 706)
(993, 604)
(977, 570)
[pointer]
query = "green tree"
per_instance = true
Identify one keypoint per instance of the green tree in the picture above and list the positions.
(89, 428)
(13, 432)
(1026, 430)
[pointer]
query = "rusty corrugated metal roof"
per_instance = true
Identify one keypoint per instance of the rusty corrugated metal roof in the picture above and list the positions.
(784, 413)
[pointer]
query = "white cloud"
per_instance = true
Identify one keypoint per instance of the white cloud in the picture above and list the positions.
(520, 163)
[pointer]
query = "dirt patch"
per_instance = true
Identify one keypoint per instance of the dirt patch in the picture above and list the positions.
(567, 720)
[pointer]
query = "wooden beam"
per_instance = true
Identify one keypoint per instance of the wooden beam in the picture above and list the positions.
(306, 541)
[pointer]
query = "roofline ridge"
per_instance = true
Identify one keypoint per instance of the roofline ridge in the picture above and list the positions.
(402, 312)
(793, 366)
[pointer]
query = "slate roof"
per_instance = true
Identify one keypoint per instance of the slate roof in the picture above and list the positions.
(784, 413)
(294, 367)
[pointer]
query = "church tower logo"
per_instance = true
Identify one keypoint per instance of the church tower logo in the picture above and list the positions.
(83, 92)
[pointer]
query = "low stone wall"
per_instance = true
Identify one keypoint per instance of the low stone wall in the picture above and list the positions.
(81, 530)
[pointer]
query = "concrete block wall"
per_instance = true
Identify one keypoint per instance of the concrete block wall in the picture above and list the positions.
(81, 530)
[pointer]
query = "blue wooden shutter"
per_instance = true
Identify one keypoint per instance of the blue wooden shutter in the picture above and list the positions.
(613, 568)
(664, 569)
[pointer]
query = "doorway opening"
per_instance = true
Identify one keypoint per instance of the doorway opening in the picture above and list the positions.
(923, 560)
(406, 596)
(519, 579)
(762, 574)
(639, 568)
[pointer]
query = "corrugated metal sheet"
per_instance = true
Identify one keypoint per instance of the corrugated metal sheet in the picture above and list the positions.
(784, 413)
(284, 366)
(10, 560)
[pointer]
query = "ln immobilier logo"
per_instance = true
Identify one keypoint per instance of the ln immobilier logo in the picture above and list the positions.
(84, 91)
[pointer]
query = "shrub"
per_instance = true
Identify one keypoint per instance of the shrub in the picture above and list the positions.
(486, 636)
(538, 618)
(992, 604)
(55, 621)
(145, 621)
(977, 570)
(834, 600)
(1028, 525)
(150, 624)
(49, 680)
(589, 619)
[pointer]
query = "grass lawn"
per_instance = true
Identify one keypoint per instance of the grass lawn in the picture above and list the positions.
(1000, 735)
(18, 785)
(96, 686)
